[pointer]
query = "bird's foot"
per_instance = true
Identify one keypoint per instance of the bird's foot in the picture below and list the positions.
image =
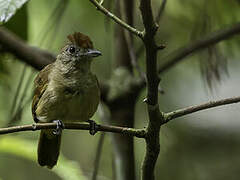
(93, 127)
(36, 120)
(59, 128)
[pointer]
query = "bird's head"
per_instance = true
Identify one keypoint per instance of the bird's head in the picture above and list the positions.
(78, 49)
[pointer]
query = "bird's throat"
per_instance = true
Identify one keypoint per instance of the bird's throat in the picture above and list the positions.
(74, 68)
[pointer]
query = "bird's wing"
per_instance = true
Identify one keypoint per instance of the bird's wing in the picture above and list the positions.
(40, 85)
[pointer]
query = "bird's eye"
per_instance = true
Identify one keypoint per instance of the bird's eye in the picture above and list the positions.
(72, 50)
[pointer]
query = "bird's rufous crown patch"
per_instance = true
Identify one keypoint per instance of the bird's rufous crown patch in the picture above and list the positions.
(80, 40)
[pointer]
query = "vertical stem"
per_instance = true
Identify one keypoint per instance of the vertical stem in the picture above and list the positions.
(155, 116)
(152, 75)
(152, 145)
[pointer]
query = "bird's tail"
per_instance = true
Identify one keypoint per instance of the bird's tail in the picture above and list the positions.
(48, 148)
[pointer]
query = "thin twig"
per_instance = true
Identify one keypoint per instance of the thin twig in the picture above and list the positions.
(140, 133)
(185, 111)
(213, 38)
(19, 111)
(101, 2)
(131, 50)
(18, 89)
(116, 19)
(20, 106)
(98, 156)
(133, 57)
(161, 10)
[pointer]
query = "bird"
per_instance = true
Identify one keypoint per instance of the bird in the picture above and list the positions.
(65, 91)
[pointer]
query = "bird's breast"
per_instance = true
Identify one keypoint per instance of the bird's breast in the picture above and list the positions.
(80, 103)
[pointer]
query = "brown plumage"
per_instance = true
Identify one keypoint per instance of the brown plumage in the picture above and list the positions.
(80, 40)
(40, 84)
(48, 148)
(65, 90)
(49, 144)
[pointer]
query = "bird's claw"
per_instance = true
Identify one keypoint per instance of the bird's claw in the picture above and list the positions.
(59, 128)
(93, 127)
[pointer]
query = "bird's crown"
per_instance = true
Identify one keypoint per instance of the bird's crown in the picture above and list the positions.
(80, 40)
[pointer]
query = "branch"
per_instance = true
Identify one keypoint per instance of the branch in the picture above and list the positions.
(132, 54)
(158, 18)
(140, 133)
(33, 56)
(185, 111)
(213, 38)
(116, 19)
(151, 51)
(155, 116)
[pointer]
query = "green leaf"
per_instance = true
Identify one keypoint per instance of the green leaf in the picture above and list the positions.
(66, 169)
(8, 8)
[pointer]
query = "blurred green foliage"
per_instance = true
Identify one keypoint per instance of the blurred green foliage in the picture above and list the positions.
(201, 146)
(67, 170)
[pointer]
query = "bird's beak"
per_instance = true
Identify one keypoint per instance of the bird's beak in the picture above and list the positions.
(93, 53)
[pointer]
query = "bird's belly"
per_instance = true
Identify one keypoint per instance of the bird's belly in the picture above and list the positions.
(68, 103)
